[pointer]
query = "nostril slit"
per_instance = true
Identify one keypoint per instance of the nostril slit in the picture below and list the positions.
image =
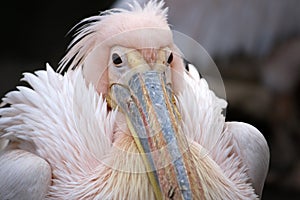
(171, 193)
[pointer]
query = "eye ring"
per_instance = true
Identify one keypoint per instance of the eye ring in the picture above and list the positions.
(117, 60)
(170, 58)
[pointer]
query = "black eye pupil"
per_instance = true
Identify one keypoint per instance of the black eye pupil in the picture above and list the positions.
(117, 60)
(170, 59)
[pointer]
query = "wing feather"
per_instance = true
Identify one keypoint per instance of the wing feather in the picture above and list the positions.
(30, 181)
(253, 150)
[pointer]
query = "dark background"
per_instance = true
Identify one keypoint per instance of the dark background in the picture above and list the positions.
(36, 32)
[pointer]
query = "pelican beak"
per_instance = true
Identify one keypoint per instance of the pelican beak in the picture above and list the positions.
(147, 100)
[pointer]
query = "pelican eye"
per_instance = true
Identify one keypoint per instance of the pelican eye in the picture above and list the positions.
(170, 58)
(117, 60)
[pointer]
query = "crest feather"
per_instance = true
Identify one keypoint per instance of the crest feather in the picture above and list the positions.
(96, 29)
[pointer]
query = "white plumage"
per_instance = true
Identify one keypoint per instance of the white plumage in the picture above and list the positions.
(70, 145)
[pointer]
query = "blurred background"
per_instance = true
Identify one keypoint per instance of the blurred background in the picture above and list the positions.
(255, 44)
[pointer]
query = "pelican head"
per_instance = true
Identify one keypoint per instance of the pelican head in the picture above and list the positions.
(139, 75)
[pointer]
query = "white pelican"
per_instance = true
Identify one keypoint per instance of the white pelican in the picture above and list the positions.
(126, 121)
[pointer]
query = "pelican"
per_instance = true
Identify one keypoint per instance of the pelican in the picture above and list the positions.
(126, 120)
